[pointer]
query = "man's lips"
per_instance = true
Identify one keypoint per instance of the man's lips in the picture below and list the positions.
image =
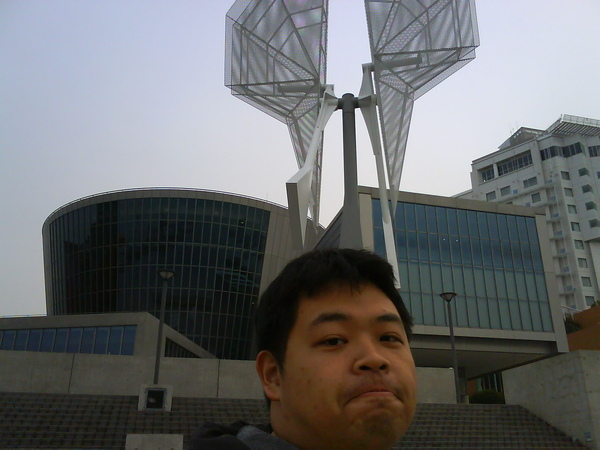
(370, 390)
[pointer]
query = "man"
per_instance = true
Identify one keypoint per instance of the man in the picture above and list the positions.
(334, 358)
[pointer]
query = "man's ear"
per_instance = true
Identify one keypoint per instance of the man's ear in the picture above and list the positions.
(270, 375)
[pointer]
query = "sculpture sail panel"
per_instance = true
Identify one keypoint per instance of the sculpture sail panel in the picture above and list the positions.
(275, 61)
(415, 44)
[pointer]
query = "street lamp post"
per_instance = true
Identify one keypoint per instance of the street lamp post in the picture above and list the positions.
(448, 296)
(166, 275)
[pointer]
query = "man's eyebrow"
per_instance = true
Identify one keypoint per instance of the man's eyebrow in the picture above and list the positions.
(341, 317)
(330, 317)
(389, 317)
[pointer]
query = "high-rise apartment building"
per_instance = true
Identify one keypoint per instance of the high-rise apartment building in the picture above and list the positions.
(557, 169)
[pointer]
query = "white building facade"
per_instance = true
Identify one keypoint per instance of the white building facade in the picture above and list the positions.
(557, 169)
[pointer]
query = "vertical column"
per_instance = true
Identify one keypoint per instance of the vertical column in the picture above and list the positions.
(351, 235)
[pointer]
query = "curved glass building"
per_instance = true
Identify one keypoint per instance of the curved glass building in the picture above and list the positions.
(102, 254)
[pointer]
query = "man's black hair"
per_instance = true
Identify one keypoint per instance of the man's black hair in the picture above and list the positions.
(311, 274)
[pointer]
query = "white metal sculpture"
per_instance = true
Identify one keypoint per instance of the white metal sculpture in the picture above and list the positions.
(276, 61)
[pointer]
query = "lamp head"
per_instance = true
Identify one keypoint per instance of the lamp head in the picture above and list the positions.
(166, 274)
(448, 296)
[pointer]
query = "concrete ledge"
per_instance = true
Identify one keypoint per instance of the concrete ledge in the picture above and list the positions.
(60, 373)
(154, 442)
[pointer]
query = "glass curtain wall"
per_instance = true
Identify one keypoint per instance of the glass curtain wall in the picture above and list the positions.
(492, 261)
(105, 258)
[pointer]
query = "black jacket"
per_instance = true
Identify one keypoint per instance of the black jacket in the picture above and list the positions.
(212, 436)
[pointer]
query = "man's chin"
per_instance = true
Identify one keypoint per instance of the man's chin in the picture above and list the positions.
(377, 429)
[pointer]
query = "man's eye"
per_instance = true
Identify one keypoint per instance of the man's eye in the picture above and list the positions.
(333, 342)
(390, 338)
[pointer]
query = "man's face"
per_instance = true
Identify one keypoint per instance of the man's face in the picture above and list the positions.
(349, 376)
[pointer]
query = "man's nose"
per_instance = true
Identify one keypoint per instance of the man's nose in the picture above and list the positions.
(370, 357)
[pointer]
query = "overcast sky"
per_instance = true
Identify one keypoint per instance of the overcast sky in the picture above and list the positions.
(100, 95)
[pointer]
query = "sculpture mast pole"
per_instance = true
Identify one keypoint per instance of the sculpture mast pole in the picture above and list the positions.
(351, 234)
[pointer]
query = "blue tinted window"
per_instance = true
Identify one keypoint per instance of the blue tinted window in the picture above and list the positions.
(101, 344)
(48, 340)
(493, 225)
(428, 311)
(546, 317)
(128, 340)
(411, 245)
(483, 311)
(400, 215)
(379, 242)
(463, 227)
(8, 341)
(21, 340)
(114, 342)
(515, 314)
(513, 230)
(536, 316)
(525, 316)
(503, 227)
(445, 252)
(423, 246)
(452, 221)
(74, 340)
(482, 221)
(421, 217)
(465, 245)
(35, 338)
(400, 244)
(473, 226)
(439, 310)
(442, 221)
(504, 314)
(409, 215)
(431, 219)
(87, 340)
(437, 285)
(476, 252)
(60, 342)
(472, 312)
(425, 277)
(377, 221)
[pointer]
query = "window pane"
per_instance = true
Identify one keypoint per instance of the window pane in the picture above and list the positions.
(428, 311)
(47, 340)
(436, 279)
(441, 220)
(8, 341)
(462, 319)
(101, 343)
(484, 314)
(35, 338)
(439, 308)
(60, 343)
(114, 342)
(472, 312)
(504, 314)
(525, 315)
(128, 340)
(425, 277)
(87, 341)
(21, 341)
(414, 278)
(74, 340)
(515, 315)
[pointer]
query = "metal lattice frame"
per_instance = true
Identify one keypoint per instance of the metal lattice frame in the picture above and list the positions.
(415, 44)
(275, 61)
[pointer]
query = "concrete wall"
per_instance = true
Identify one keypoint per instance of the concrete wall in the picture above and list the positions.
(60, 373)
(563, 390)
